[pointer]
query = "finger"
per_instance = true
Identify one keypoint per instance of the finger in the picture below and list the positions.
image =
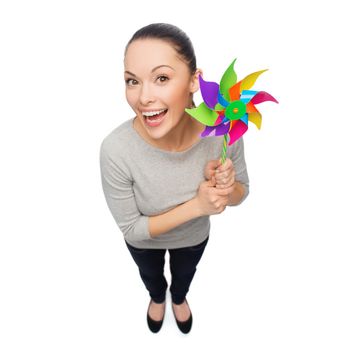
(212, 167)
(218, 179)
(221, 186)
(222, 181)
(217, 162)
(214, 164)
(222, 174)
(228, 164)
(225, 178)
(225, 172)
(229, 184)
(224, 191)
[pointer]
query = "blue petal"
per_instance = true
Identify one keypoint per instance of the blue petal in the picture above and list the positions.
(247, 95)
(244, 119)
(222, 100)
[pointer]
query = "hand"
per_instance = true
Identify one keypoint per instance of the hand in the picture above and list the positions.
(224, 174)
(211, 200)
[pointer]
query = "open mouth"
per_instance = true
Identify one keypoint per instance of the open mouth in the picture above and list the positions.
(154, 118)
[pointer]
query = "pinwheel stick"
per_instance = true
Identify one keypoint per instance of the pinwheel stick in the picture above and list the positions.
(224, 148)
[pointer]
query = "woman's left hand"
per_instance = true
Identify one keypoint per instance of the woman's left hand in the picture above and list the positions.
(225, 174)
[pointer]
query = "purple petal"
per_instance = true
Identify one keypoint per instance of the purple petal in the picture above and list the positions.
(209, 92)
(222, 129)
(219, 130)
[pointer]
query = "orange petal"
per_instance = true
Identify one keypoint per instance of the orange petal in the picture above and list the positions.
(235, 91)
(251, 108)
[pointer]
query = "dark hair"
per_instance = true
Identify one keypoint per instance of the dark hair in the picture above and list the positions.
(172, 34)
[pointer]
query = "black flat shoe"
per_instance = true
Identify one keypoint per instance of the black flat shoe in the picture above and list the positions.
(184, 326)
(153, 325)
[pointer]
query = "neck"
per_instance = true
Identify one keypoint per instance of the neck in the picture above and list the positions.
(181, 137)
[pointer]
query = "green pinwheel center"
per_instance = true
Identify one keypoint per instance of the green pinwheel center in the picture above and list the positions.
(235, 110)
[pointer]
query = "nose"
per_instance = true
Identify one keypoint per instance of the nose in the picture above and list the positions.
(146, 95)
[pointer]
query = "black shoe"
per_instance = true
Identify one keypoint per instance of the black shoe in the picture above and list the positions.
(153, 325)
(184, 326)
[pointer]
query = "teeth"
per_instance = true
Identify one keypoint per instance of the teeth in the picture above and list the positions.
(151, 114)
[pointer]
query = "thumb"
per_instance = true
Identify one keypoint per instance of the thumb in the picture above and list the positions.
(213, 181)
(218, 163)
(215, 163)
(212, 166)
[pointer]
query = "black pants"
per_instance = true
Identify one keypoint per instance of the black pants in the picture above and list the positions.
(183, 263)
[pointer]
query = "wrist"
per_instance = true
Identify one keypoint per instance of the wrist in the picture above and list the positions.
(194, 202)
(236, 196)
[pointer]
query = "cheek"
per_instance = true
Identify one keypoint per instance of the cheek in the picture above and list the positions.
(178, 97)
(131, 97)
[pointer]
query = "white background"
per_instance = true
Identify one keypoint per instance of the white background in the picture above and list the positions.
(275, 274)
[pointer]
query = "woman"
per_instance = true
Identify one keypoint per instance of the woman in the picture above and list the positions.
(161, 180)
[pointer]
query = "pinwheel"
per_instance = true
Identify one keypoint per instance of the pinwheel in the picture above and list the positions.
(228, 107)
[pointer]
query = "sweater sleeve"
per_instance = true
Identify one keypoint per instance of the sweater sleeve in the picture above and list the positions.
(119, 194)
(240, 167)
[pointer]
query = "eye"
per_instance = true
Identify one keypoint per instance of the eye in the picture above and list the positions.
(162, 78)
(130, 82)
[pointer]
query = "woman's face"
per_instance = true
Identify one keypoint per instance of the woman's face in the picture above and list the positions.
(158, 85)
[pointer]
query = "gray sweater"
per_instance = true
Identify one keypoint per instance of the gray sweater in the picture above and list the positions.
(140, 180)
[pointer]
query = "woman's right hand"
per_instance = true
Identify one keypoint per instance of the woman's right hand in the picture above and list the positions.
(212, 200)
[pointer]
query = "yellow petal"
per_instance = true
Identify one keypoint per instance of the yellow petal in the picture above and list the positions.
(250, 79)
(255, 118)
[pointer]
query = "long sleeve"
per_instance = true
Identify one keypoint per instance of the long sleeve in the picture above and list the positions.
(240, 167)
(119, 194)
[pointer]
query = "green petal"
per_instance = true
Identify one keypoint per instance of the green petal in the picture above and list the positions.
(228, 79)
(218, 107)
(203, 114)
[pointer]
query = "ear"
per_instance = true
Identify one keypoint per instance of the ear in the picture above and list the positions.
(195, 80)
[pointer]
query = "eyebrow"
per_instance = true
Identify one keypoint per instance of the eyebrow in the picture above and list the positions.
(155, 68)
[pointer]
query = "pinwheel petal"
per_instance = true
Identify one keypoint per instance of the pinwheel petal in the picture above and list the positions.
(247, 95)
(251, 108)
(255, 118)
(235, 91)
(244, 119)
(220, 130)
(203, 114)
(228, 79)
(207, 131)
(209, 92)
(237, 131)
(250, 79)
(222, 101)
(219, 107)
(262, 96)
(219, 120)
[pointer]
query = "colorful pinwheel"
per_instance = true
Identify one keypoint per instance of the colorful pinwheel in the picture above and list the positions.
(228, 107)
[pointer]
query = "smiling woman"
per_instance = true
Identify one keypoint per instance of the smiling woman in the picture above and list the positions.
(159, 88)
(162, 190)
